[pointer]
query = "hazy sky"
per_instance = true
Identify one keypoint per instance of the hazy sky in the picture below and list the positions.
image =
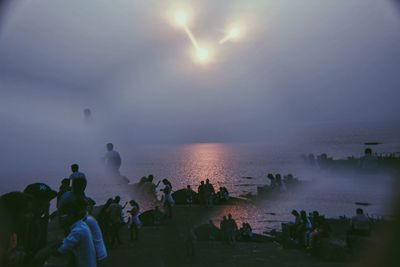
(300, 62)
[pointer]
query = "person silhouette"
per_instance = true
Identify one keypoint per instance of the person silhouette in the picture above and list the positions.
(112, 160)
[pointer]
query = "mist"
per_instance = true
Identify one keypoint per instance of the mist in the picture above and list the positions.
(299, 64)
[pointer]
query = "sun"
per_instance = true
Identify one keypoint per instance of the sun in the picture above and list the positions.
(203, 55)
(181, 18)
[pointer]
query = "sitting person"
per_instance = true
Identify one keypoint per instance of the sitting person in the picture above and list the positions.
(321, 231)
(246, 233)
(360, 225)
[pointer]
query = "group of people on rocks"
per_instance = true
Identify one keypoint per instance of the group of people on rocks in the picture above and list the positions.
(308, 230)
(230, 232)
(276, 181)
(207, 195)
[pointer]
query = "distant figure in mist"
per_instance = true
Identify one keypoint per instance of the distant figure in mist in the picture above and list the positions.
(369, 160)
(87, 113)
(112, 160)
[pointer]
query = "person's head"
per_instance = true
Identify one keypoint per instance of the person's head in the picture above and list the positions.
(315, 214)
(79, 185)
(270, 176)
(207, 181)
(278, 176)
(202, 182)
(117, 199)
(110, 147)
(188, 187)
(74, 210)
(224, 218)
(66, 182)
(229, 216)
(90, 203)
(368, 151)
(87, 112)
(132, 203)
(359, 211)
(295, 213)
(74, 167)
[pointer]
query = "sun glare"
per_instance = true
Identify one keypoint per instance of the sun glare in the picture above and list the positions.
(181, 18)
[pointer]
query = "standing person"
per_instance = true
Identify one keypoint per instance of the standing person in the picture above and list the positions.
(64, 187)
(224, 229)
(209, 193)
(112, 160)
(272, 181)
(134, 221)
(76, 173)
(115, 217)
(77, 190)
(80, 239)
(41, 194)
(104, 221)
(189, 196)
(231, 229)
(168, 199)
(305, 229)
(200, 191)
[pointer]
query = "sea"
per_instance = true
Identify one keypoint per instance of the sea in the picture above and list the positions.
(242, 167)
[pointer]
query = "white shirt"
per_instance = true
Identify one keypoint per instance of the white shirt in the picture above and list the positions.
(101, 251)
(80, 242)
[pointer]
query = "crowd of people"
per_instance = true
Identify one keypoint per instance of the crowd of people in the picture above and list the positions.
(277, 182)
(308, 231)
(207, 195)
(230, 232)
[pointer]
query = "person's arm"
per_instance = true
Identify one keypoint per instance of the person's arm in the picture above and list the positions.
(123, 207)
(71, 241)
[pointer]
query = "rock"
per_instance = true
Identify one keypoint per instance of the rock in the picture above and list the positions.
(180, 197)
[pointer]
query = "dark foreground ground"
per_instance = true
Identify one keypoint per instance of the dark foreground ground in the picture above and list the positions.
(168, 245)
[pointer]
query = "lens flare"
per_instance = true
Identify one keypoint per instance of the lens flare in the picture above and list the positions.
(181, 18)
(203, 55)
(233, 34)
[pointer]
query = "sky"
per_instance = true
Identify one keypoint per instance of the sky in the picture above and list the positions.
(298, 63)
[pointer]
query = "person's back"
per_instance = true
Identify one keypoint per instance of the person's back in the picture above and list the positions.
(80, 242)
(112, 158)
(101, 251)
(76, 173)
(114, 212)
(360, 223)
